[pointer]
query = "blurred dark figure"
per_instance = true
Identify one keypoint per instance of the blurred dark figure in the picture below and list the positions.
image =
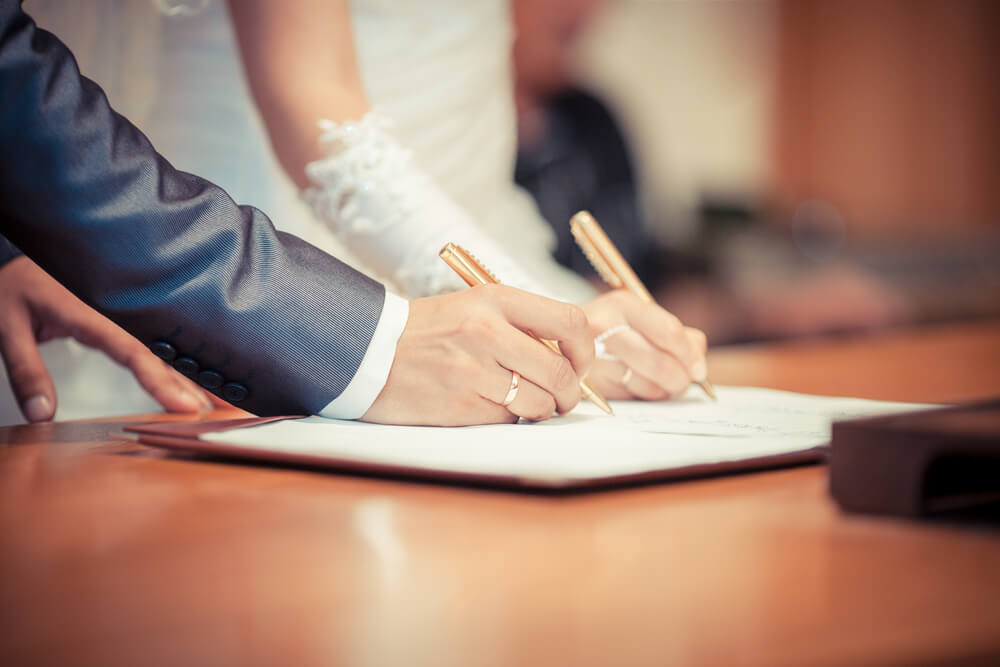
(580, 161)
(572, 155)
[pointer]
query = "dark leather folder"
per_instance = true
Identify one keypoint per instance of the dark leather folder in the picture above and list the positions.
(918, 463)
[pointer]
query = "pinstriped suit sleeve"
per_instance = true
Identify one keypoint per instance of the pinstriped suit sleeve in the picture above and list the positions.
(167, 255)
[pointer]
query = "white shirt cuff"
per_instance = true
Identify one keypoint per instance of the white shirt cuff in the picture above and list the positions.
(373, 372)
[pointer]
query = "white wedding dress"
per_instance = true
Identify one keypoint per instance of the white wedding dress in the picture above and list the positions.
(440, 69)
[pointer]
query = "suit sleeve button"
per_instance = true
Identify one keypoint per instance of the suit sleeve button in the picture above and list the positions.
(186, 366)
(234, 392)
(164, 350)
(210, 379)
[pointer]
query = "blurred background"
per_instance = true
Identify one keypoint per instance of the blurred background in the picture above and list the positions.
(776, 168)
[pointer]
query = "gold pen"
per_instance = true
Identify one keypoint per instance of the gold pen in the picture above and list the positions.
(612, 267)
(474, 273)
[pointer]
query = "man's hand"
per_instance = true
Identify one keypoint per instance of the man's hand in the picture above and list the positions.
(35, 308)
(454, 359)
(664, 355)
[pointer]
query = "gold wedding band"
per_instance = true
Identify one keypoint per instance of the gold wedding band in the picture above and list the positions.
(515, 381)
(626, 376)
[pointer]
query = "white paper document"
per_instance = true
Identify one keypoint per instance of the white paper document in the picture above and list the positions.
(745, 423)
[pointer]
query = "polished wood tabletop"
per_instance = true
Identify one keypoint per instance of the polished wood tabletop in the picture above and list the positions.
(115, 554)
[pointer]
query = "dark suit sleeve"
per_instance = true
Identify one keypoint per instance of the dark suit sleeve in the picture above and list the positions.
(209, 285)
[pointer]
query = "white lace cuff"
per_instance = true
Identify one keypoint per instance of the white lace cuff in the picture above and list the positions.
(391, 215)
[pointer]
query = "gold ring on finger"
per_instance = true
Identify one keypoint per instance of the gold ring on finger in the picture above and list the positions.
(515, 381)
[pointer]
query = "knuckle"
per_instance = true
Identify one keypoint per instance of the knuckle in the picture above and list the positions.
(492, 413)
(541, 408)
(651, 392)
(660, 318)
(469, 367)
(675, 389)
(671, 322)
(133, 356)
(671, 334)
(575, 319)
(549, 406)
(665, 368)
(492, 292)
(561, 374)
(567, 399)
(575, 397)
(468, 327)
(620, 295)
(535, 415)
(698, 339)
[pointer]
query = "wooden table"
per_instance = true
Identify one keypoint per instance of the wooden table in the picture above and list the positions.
(114, 554)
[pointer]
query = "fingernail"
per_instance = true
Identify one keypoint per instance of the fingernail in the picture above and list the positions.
(38, 408)
(699, 371)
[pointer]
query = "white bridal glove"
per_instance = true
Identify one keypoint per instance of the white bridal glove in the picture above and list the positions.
(392, 215)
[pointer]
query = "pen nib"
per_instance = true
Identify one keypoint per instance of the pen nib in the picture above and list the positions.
(597, 399)
(709, 389)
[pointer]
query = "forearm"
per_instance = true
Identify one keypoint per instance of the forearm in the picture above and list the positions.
(301, 65)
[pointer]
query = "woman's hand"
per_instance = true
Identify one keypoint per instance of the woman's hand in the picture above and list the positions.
(455, 359)
(35, 308)
(663, 355)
